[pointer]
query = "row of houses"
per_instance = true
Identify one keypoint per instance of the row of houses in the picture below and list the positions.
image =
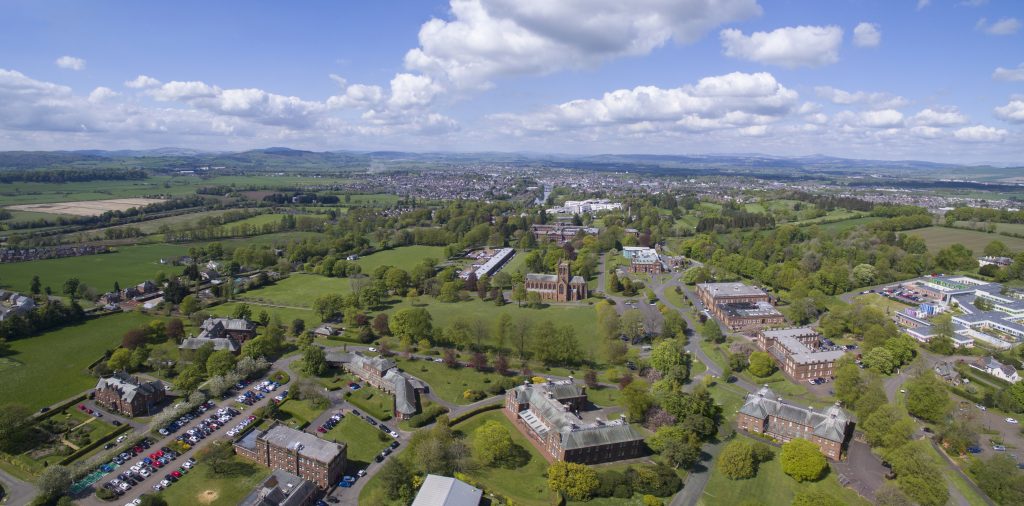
(11, 255)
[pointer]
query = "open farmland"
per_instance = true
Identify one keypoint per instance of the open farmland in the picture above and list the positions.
(50, 367)
(941, 237)
(298, 290)
(129, 265)
(86, 207)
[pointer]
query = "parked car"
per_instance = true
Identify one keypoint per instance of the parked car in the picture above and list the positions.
(1011, 420)
(999, 448)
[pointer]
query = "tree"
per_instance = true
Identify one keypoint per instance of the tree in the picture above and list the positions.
(999, 478)
(189, 379)
(242, 311)
(298, 327)
(14, 420)
(381, 326)
(189, 305)
(411, 323)
(679, 447)
(887, 427)
(918, 474)
(736, 461)
(533, 300)
(71, 287)
(54, 482)
(518, 294)
(712, 332)
(35, 286)
(955, 257)
(501, 364)
(880, 359)
(120, 360)
(151, 500)
(314, 361)
(220, 363)
(738, 362)
(397, 480)
(632, 324)
(175, 329)
(942, 341)
(576, 482)
(492, 444)
(637, 400)
(927, 397)
(802, 460)
(997, 249)
(761, 364)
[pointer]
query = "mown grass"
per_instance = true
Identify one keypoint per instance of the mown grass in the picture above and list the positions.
(129, 265)
(941, 237)
(51, 367)
(203, 486)
(298, 290)
(405, 258)
(363, 441)
(449, 384)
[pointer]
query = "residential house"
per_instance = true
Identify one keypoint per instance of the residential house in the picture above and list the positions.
(992, 366)
(129, 395)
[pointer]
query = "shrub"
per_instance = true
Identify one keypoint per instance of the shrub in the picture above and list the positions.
(802, 460)
(613, 484)
(473, 395)
(658, 480)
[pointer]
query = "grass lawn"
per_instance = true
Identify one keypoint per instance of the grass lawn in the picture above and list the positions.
(604, 396)
(375, 403)
(840, 226)
(886, 305)
(526, 485)
(298, 290)
(448, 384)
(202, 486)
(730, 397)
(941, 237)
(299, 413)
(771, 487)
(405, 258)
(285, 314)
(130, 265)
(51, 367)
(363, 440)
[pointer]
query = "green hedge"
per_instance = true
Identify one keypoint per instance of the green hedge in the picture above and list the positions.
(469, 414)
(93, 445)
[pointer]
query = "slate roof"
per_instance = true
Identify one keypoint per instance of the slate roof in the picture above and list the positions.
(281, 488)
(731, 290)
(307, 444)
(129, 386)
(830, 424)
(444, 491)
(404, 390)
(219, 343)
(547, 413)
(551, 278)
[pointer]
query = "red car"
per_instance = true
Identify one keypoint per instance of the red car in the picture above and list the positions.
(176, 474)
(81, 407)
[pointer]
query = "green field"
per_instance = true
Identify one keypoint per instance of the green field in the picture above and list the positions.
(525, 485)
(1009, 228)
(840, 226)
(886, 305)
(363, 441)
(264, 219)
(298, 290)
(129, 265)
(286, 315)
(51, 367)
(448, 384)
(405, 257)
(941, 237)
(375, 403)
(771, 487)
(203, 486)
(299, 413)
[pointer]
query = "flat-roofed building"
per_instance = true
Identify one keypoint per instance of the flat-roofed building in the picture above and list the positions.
(739, 306)
(560, 233)
(798, 352)
(766, 413)
(444, 491)
(295, 451)
(282, 488)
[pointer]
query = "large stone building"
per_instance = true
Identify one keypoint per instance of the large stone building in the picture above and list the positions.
(559, 287)
(129, 395)
(560, 233)
(383, 374)
(222, 333)
(739, 306)
(799, 353)
(550, 414)
(643, 260)
(766, 413)
(282, 488)
(300, 453)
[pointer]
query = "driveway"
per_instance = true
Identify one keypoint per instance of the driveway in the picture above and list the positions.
(861, 471)
(16, 492)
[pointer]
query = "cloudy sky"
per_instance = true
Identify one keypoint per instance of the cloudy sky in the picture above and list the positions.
(935, 80)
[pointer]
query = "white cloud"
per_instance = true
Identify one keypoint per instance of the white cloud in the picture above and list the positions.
(1005, 26)
(142, 82)
(973, 3)
(885, 118)
(877, 100)
(980, 133)
(1004, 74)
(939, 117)
(927, 132)
(1012, 112)
(102, 93)
(70, 63)
(921, 4)
(867, 35)
(409, 90)
(734, 100)
(796, 46)
(485, 39)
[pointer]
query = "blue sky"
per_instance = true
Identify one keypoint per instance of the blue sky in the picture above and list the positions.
(940, 80)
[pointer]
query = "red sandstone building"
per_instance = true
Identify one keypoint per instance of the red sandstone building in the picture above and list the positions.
(129, 395)
(302, 454)
(559, 287)
(550, 414)
(765, 413)
(739, 306)
(799, 353)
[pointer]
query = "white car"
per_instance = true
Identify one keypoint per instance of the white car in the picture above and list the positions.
(979, 406)
(1011, 420)
(165, 483)
(373, 349)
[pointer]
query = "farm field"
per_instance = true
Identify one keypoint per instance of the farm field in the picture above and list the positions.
(203, 486)
(772, 487)
(86, 207)
(941, 237)
(129, 265)
(405, 257)
(275, 239)
(1009, 228)
(840, 226)
(264, 219)
(836, 214)
(51, 367)
(29, 216)
(38, 193)
(298, 290)
(181, 221)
